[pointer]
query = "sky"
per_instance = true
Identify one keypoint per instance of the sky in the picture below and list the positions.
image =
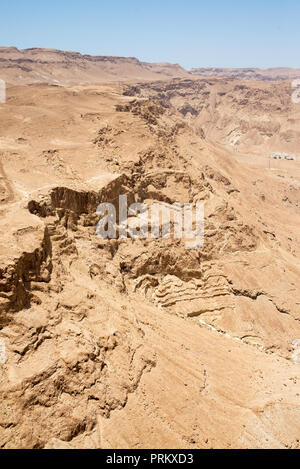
(193, 33)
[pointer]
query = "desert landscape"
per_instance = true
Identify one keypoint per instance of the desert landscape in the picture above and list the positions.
(142, 343)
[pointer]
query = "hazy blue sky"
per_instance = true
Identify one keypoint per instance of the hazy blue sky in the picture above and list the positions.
(261, 33)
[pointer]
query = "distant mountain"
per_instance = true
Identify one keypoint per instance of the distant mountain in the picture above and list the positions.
(271, 74)
(66, 68)
(56, 66)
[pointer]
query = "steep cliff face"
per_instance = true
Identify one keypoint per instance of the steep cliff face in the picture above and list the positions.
(17, 279)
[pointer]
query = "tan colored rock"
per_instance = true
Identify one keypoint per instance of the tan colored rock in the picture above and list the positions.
(142, 343)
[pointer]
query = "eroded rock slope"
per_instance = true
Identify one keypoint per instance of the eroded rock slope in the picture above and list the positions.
(142, 342)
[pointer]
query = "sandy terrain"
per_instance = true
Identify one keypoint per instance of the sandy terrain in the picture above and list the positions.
(269, 74)
(141, 343)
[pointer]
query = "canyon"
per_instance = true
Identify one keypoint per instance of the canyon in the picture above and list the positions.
(142, 343)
